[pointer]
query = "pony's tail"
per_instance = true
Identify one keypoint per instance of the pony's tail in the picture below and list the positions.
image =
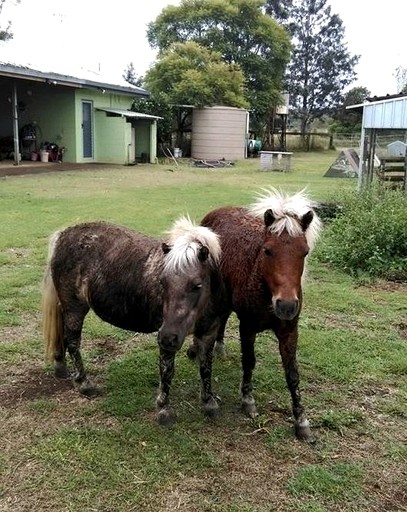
(52, 321)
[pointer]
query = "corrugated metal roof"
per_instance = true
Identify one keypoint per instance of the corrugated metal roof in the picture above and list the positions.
(384, 113)
(128, 113)
(22, 72)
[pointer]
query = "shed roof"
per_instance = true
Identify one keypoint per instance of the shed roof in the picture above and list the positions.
(389, 112)
(26, 73)
(127, 113)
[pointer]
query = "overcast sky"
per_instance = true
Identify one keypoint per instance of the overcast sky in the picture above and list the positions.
(74, 36)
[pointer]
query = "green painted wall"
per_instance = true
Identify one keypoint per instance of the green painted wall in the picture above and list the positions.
(57, 112)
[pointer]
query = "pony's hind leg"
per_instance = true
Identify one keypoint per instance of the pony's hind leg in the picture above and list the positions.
(247, 339)
(73, 322)
(167, 366)
(288, 349)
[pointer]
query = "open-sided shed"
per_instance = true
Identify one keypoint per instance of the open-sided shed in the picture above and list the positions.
(379, 113)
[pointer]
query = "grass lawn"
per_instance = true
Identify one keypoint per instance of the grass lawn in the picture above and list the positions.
(62, 452)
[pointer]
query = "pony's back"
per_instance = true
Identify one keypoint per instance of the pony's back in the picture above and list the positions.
(241, 236)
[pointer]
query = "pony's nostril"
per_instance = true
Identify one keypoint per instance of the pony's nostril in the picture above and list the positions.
(286, 309)
(169, 341)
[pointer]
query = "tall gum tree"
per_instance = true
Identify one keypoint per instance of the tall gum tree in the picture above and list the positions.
(320, 66)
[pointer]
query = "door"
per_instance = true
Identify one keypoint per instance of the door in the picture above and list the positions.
(87, 129)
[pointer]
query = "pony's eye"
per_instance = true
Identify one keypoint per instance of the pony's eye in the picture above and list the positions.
(196, 287)
(268, 252)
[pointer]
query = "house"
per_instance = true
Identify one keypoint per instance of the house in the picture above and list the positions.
(86, 120)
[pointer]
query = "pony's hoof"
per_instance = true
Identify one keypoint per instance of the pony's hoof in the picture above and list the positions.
(192, 352)
(166, 417)
(61, 372)
(249, 408)
(89, 391)
(211, 408)
(304, 433)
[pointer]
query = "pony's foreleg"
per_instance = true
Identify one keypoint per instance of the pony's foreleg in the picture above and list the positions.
(220, 348)
(288, 350)
(167, 368)
(247, 339)
(205, 357)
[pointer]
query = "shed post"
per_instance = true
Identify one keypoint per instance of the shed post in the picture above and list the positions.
(361, 177)
(15, 124)
(405, 173)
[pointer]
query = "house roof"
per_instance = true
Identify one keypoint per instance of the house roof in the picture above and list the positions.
(127, 113)
(26, 73)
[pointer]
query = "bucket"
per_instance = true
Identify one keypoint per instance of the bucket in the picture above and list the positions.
(44, 156)
(34, 156)
(177, 153)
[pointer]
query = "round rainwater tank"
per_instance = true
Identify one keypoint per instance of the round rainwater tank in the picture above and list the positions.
(219, 133)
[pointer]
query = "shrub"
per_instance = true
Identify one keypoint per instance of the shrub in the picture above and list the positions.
(368, 234)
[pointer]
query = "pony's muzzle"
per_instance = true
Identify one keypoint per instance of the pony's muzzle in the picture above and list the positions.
(169, 341)
(286, 309)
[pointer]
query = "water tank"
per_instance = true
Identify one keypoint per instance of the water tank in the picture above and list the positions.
(219, 133)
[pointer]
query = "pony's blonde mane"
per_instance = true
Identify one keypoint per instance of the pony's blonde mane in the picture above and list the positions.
(287, 210)
(186, 239)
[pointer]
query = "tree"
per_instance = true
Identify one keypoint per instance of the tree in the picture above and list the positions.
(5, 33)
(401, 78)
(131, 76)
(349, 121)
(158, 106)
(242, 34)
(320, 66)
(187, 73)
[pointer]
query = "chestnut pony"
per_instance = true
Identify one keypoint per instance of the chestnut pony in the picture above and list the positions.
(134, 282)
(264, 248)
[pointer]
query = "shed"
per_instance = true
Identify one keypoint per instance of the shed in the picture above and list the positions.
(91, 119)
(379, 113)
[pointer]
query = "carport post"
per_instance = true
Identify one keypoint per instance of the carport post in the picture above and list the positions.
(15, 124)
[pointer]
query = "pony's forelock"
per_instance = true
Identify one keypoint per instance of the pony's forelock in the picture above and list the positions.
(186, 240)
(287, 210)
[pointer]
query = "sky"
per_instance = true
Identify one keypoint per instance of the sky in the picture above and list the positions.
(94, 39)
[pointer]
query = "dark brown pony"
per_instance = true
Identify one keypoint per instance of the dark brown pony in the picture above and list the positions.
(134, 282)
(262, 264)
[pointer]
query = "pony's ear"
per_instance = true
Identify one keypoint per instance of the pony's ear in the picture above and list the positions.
(269, 218)
(203, 253)
(166, 248)
(306, 220)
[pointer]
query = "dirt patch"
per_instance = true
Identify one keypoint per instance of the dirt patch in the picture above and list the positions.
(33, 385)
(402, 328)
(388, 286)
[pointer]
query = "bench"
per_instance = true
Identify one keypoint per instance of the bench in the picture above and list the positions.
(392, 170)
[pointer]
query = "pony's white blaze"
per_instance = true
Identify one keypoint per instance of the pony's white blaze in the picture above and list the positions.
(186, 240)
(288, 210)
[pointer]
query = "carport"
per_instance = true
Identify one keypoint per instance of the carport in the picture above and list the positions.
(379, 113)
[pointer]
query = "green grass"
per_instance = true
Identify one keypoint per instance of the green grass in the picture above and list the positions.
(333, 482)
(64, 453)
